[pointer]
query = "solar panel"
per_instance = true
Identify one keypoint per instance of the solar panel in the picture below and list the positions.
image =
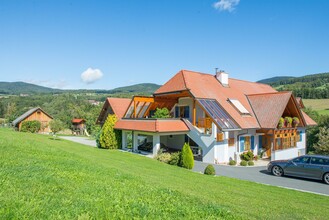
(218, 114)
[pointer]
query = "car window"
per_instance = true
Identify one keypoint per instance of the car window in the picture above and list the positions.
(301, 160)
(319, 161)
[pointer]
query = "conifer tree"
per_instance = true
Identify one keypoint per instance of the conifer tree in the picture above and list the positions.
(187, 159)
(109, 137)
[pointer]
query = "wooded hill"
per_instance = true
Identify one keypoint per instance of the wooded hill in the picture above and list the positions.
(17, 88)
(315, 86)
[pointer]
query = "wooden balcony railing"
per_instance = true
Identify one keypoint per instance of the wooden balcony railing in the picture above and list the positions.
(204, 123)
(231, 142)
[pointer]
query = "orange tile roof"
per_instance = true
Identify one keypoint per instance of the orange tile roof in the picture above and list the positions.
(309, 121)
(119, 105)
(152, 125)
(207, 86)
(77, 120)
(269, 107)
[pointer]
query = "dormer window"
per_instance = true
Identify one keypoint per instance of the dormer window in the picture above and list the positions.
(238, 106)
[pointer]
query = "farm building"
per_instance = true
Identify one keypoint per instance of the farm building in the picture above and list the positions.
(34, 114)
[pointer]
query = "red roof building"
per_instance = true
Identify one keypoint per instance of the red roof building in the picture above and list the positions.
(223, 117)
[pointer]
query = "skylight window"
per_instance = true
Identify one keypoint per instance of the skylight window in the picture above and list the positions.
(237, 104)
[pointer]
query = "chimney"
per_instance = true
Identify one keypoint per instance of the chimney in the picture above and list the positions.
(222, 77)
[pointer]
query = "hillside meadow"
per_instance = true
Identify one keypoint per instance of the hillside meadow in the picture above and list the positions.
(319, 105)
(42, 178)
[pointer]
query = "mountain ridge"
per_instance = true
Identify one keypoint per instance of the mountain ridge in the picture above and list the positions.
(17, 88)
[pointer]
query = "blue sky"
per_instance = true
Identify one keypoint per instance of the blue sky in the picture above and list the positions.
(124, 42)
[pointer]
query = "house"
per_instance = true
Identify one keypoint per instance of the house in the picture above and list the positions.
(78, 126)
(34, 114)
(219, 116)
(117, 106)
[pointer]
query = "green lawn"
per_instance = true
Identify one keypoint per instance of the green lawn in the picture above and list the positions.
(319, 105)
(41, 178)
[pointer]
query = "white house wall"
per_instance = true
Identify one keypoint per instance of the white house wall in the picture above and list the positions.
(284, 154)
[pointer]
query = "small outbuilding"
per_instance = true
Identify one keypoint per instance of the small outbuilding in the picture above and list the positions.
(78, 126)
(34, 114)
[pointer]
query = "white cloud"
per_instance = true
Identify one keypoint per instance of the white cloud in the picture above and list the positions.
(91, 75)
(226, 5)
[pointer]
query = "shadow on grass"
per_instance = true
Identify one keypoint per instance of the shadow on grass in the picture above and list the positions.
(55, 139)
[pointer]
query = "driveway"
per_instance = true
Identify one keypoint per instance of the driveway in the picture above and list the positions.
(80, 140)
(260, 175)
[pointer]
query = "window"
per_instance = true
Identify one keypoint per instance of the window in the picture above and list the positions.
(301, 160)
(247, 143)
(182, 111)
(237, 105)
(319, 161)
(300, 136)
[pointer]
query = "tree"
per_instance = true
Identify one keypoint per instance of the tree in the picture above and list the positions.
(56, 126)
(322, 146)
(161, 113)
(187, 159)
(109, 137)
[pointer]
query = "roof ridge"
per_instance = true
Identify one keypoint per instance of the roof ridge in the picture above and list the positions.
(184, 79)
(270, 93)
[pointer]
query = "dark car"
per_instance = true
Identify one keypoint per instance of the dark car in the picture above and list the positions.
(148, 146)
(308, 166)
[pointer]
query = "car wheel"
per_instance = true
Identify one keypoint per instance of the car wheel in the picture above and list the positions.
(277, 171)
(326, 178)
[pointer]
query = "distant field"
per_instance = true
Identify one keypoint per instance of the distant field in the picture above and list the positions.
(41, 178)
(320, 105)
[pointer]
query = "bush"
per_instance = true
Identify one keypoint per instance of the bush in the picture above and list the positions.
(110, 138)
(210, 170)
(251, 163)
(164, 157)
(247, 156)
(243, 163)
(232, 162)
(175, 158)
(31, 126)
(97, 137)
(187, 159)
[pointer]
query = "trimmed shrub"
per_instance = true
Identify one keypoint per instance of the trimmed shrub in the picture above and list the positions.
(164, 157)
(31, 126)
(232, 162)
(109, 137)
(247, 156)
(175, 158)
(210, 170)
(251, 163)
(187, 159)
(243, 163)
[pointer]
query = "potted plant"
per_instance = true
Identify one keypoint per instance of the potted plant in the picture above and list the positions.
(288, 121)
(281, 123)
(295, 121)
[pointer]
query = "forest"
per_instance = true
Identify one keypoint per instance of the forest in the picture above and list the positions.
(315, 86)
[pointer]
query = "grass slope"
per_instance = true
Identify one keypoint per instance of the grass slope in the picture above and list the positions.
(43, 178)
(319, 105)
